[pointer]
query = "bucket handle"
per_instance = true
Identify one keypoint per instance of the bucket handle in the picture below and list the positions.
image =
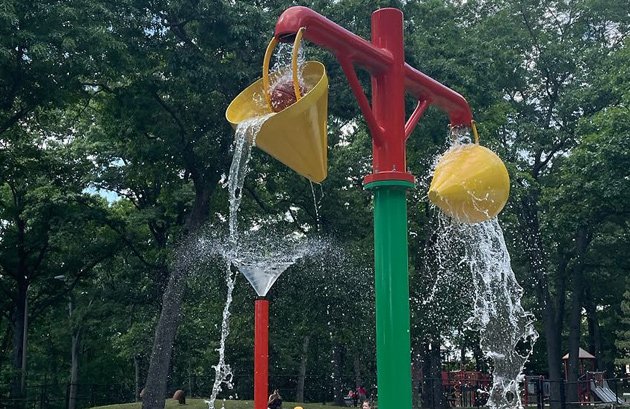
(473, 127)
(294, 66)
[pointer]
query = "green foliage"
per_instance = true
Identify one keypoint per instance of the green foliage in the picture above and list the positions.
(623, 341)
(128, 100)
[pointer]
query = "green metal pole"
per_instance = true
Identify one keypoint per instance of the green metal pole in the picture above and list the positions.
(393, 345)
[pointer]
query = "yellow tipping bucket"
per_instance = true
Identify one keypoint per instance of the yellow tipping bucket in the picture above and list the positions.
(297, 135)
(470, 183)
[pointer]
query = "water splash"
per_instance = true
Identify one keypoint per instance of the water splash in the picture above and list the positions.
(245, 138)
(261, 256)
(259, 267)
(283, 64)
(507, 334)
(264, 255)
(281, 71)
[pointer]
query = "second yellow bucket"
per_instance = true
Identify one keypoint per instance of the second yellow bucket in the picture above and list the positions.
(470, 183)
(297, 135)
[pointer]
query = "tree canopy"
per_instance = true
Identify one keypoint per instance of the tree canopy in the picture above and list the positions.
(114, 154)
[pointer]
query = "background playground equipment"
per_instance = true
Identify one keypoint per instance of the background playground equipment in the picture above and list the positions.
(592, 385)
(593, 388)
(466, 388)
(600, 389)
(470, 183)
(297, 137)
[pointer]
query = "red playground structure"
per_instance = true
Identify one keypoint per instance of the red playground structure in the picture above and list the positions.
(466, 388)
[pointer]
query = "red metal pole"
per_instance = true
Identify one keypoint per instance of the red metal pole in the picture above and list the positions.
(388, 99)
(261, 353)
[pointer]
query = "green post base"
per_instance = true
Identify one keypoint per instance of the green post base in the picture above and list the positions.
(393, 344)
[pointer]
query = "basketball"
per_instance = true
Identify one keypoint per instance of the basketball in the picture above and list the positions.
(283, 94)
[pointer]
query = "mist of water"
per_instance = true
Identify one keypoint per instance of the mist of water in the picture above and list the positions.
(264, 255)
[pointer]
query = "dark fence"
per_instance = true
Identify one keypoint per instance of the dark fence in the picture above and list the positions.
(536, 392)
(433, 393)
(438, 393)
(57, 396)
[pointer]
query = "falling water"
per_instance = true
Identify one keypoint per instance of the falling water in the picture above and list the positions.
(283, 64)
(244, 140)
(316, 204)
(507, 334)
(257, 265)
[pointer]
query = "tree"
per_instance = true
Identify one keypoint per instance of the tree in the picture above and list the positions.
(50, 228)
(623, 341)
(547, 52)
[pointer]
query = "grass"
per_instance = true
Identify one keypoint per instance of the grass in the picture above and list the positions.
(229, 404)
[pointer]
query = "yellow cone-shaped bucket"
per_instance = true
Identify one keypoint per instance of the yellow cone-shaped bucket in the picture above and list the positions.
(470, 184)
(296, 136)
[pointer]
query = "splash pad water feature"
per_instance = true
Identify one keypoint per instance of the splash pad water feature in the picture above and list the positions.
(297, 137)
(260, 255)
(476, 253)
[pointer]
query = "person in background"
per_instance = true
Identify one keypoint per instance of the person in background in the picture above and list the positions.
(275, 400)
(362, 393)
(354, 396)
(366, 405)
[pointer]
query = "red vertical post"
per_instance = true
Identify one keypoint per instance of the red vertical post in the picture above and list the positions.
(388, 99)
(261, 353)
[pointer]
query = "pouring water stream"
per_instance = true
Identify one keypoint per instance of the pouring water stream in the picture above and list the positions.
(507, 334)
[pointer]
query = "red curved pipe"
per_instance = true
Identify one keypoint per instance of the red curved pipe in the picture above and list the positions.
(343, 43)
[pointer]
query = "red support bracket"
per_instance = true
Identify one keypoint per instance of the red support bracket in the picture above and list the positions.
(341, 42)
(415, 117)
(375, 129)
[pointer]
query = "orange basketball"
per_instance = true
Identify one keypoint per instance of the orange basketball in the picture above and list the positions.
(283, 95)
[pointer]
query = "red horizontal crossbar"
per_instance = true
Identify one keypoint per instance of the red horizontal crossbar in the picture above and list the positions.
(350, 47)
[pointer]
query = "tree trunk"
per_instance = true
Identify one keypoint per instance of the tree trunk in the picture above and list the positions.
(433, 391)
(337, 375)
(551, 312)
(74, 369)
(136, 367)
(480, 364)
(573, 370)
(299, 392)
(191, 379)
(155, 387)
(416, 381)
(356, 364)
(594, 333)
(575, 323)
(20, 330)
